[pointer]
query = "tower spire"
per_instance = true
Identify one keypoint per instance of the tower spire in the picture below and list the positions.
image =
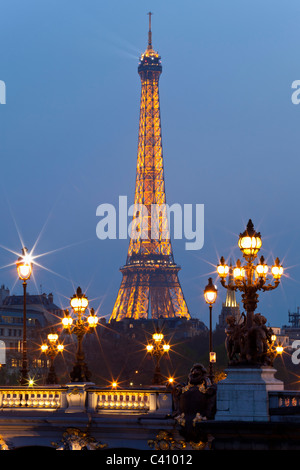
(149, 32)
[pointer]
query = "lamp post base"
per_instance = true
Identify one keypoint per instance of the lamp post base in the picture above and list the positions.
(76, 396)
(80, 373)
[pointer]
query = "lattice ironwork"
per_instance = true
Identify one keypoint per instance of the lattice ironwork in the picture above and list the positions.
(150, 286)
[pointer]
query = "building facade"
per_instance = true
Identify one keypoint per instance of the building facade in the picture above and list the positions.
(41, 313)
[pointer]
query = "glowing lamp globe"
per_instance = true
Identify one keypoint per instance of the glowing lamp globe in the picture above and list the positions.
(52, 337)
(92, 319)
(238, 271)
(158, 336)
(67, 320)
(250, 241)
(212, 357)
(210, 292)
(222, 268)
(277, 269)
(79, 301)
(24, 266)
(262, 268)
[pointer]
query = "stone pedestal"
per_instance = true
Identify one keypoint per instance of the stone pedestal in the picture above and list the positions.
(76, 396)
(243, 395)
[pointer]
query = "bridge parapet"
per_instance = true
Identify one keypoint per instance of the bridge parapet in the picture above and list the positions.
(50, 398)
(82, 397)
(284, 403)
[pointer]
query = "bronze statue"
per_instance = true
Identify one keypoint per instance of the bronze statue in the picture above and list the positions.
(249, 345)
(194, 401)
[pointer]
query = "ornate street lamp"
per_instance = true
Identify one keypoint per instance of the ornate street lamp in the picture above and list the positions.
(84, 324)
(51, 348)
(24, 269)
(210, 295)
(157, 347)
(252, 338)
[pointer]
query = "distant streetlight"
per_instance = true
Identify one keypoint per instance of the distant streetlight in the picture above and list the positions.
(24, 269)
(157, 348)
(210, 296)
(83, 325)
(51, 348)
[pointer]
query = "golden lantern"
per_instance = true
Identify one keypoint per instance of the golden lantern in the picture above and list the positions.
(92, 319)
(250, 241)
(239, 271)
(262, 268)
(24, 265)
(44, 347)
(67, 320)
(52, 337)
(210, 292)
(222, 268)
(79, 302)
(212, 357)
(158, 336)
(277, 269)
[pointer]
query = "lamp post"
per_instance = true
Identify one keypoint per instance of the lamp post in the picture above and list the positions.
(24, 269)
(249, 279)
(157, 347)
(51, 348)
(83, 325)
(210, 295)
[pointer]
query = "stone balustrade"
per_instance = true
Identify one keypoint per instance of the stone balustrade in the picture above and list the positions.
(31, 398)
(80, 397)
(284, 403)
(124, 400)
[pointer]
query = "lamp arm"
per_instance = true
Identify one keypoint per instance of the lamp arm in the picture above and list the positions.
(270, 286)
(228, 286)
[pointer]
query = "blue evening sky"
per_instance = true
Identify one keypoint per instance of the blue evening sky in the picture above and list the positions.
(69, 130)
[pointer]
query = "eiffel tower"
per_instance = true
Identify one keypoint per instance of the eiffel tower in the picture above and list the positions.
(150, 288)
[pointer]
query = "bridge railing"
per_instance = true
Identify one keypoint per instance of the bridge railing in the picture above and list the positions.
(83, 397)
(284, 403)
(31, 398)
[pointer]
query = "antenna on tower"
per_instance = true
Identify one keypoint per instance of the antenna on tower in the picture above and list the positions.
(150, 32)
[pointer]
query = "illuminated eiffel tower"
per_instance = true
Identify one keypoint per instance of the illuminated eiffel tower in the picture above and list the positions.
(150, 287)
